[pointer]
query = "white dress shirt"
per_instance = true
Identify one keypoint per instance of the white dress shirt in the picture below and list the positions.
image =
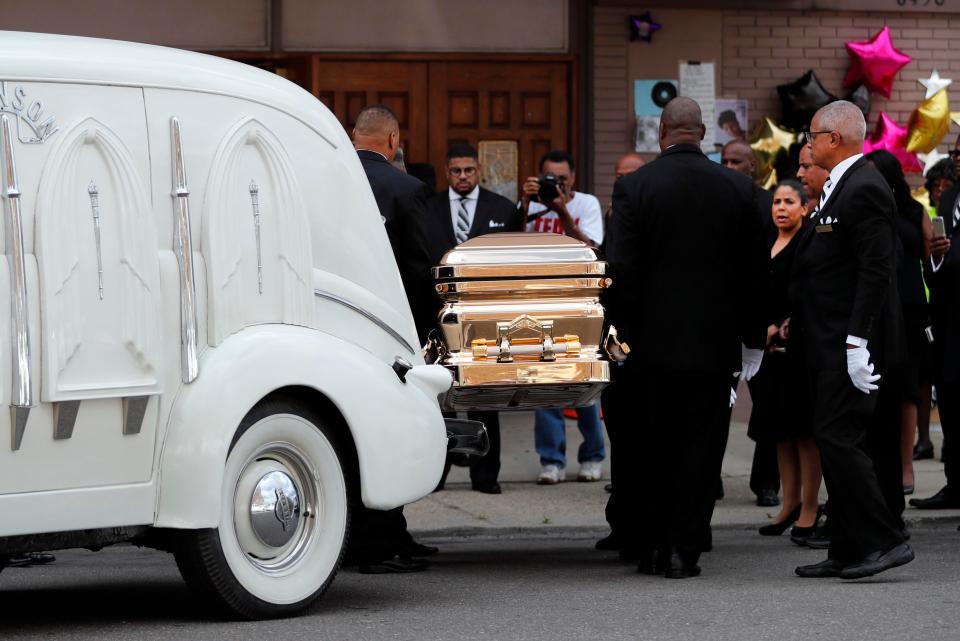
(470, 204)
(835, 175)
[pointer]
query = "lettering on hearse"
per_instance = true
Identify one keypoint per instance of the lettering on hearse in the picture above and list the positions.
(33, 124)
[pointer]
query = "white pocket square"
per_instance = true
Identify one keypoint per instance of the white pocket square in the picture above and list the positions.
(496, 224)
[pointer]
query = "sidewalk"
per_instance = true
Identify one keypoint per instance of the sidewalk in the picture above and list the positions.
(528, 508)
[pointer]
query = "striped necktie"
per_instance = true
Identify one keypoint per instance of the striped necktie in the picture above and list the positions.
(463, 221)
(825, 192)
(956, 215)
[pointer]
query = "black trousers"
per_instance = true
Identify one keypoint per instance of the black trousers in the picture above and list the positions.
(861, 521)
(377, 535)
(883, 443)
(486, 469)
(765, 471)
(686, 419)
(948, 400)
(622, 420)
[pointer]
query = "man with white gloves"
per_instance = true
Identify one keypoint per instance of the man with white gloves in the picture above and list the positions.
(848, 311)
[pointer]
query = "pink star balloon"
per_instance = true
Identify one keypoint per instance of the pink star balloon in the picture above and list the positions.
(875, 63)
(892, 137)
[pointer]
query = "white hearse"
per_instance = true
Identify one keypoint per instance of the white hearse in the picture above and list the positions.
(204, 342)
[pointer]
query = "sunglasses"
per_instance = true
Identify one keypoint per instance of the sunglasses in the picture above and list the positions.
(466, 171)
(954, 154)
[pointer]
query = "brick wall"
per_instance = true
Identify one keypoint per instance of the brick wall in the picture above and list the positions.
(763, 49)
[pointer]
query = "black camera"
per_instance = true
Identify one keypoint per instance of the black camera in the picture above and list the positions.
(549, 188)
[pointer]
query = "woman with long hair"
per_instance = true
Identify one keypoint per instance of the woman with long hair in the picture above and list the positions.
(914, 377)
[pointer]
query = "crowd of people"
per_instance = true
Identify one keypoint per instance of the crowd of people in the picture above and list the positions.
(814, 293)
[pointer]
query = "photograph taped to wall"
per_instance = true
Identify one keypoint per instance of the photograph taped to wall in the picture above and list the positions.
(732, 119)
(499, 167)
(649, 98)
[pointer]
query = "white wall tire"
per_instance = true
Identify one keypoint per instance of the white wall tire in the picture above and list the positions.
(284, 517)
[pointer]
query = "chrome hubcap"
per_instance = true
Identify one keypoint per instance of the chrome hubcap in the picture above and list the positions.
(275, 509)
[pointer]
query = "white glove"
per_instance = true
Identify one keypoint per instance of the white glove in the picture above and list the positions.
(733, 396)
(750, 362)
(860, 369)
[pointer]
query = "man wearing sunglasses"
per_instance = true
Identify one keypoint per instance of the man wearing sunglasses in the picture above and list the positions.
(848, 311)
(466, 210)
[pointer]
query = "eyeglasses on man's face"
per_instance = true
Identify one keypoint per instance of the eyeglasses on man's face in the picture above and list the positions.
(807, 136)
(466, 171)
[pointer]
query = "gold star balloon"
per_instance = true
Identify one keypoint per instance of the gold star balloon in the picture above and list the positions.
(773, 138)
(929, 123)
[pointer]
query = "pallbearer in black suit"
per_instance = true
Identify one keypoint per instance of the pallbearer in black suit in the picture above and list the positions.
(379, 540)
(942, 273)
(852, 327)
(467, 210)
(688, 264)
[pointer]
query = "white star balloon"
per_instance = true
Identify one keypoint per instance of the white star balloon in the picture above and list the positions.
(934, 84)
(931, 159)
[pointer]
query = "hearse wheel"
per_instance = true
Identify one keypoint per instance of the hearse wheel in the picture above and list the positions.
(284, 517)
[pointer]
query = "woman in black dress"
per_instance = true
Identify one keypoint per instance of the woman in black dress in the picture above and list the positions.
(779, 390)
(914, 377)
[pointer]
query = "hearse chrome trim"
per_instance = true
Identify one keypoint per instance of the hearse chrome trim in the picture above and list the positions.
(183, 244)
(373, 318)
(255, 203)
(95, 206)
(21, 398)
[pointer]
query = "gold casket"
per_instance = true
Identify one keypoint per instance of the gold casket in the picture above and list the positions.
(521, 325)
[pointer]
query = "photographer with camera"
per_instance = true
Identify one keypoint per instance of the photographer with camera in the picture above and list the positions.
(553, 206)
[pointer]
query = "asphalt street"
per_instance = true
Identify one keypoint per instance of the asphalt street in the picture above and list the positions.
(514, 587)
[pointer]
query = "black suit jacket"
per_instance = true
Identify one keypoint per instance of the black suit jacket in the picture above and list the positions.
(494, 213)
(688, 262)
(402, 200)
(846, 274)
(944, 287)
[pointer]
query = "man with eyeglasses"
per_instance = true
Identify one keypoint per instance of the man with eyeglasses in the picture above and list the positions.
(849, 313)
(942, 273)
(466, 210)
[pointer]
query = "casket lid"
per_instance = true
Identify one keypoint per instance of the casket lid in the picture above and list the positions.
(518, 255)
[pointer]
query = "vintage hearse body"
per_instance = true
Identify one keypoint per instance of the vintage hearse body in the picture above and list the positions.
(200, 321)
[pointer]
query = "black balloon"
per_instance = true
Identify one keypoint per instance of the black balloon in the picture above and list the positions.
(801, 99)
(861, 98)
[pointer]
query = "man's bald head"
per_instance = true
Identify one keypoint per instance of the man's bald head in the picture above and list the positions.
(837, 131)
(628, 163)
(681, 123)
(377, 129)
(738, 155)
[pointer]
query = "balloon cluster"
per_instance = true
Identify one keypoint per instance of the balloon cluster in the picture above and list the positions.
(874, 65)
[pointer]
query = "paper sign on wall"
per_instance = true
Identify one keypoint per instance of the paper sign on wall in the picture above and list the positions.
(697, 82)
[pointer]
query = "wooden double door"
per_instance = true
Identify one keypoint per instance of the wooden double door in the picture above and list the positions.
(525, 105)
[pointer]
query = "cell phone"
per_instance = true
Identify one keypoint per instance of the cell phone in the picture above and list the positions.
(929, 333)
(939, 231)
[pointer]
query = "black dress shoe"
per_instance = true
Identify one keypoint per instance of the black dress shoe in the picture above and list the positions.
(608, 488)
(608, 543)
(396, 565)
(822, 570)
(921, 452)
(488, 488)
(879, 562)
(413, 548)
(942, 500)
(30, 558)
(681, 568)
(776, 529)
(799, 535)
(768, 498)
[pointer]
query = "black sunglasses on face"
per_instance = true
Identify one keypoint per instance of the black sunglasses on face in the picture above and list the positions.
(954, 153)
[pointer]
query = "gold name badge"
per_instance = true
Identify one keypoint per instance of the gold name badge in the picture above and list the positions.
(822, 229)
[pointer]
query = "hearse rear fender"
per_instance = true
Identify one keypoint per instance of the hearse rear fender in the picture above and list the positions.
(397, 427)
